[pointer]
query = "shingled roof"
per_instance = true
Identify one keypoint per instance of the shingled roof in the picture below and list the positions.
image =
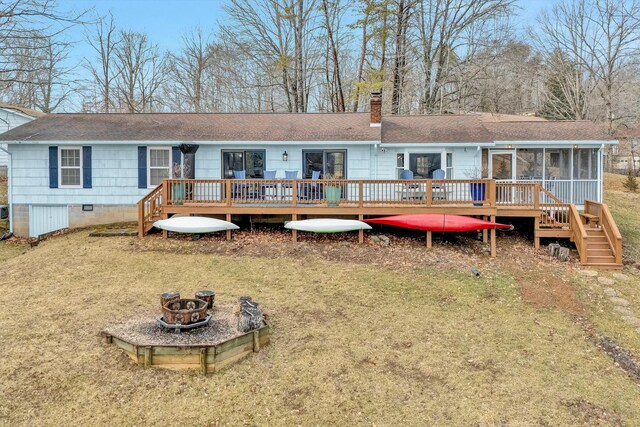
(292, 127)
(197, 127)
(446, 128)
(578, 130)
(23, 110)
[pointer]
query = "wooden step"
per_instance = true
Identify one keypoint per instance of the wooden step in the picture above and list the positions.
(594, 231)
(599, 252)
(597, 245)
(604, 266)
(597, 239)
(601, 259)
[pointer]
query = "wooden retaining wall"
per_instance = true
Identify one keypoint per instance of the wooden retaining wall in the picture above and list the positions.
(206, 358)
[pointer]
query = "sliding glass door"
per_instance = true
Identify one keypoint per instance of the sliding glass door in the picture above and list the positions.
(328, 162)
(251, 161)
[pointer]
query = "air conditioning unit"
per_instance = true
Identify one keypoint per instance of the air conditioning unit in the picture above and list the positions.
(4, 211)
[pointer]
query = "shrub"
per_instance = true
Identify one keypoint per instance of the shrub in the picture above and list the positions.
(631, 184)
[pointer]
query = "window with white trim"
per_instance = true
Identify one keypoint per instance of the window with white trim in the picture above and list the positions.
(70, 166)
(159, 165)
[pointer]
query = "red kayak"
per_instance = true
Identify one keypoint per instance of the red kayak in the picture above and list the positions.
(437, 222)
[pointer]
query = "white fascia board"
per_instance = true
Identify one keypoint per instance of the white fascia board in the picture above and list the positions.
(158, 142)
(439, 144)
(17, 113)
(558, 142)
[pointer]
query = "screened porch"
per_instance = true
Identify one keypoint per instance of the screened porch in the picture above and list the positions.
(572, 174)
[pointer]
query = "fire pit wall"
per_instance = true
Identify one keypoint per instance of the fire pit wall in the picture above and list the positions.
(184, 311)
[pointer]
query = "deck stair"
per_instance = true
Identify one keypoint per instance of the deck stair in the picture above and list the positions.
(597, 237)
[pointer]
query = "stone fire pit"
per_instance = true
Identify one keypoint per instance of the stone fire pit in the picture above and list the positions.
(209, 338)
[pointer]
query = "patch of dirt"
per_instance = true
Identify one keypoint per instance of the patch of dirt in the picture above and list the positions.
(622, 357)
(406, 249)
(542, 286)
(592, 414)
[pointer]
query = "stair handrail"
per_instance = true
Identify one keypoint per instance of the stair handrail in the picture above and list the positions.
(153, 198)
(609, 226)
(549, 194)
(579, 233)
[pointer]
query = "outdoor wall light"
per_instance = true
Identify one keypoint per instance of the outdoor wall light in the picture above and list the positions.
(575, 146)
(285, 156)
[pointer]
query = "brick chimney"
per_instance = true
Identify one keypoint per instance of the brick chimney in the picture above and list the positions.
(376, 109)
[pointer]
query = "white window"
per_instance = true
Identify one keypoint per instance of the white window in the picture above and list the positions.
(449, 170)
(70, 167)
(159, 165)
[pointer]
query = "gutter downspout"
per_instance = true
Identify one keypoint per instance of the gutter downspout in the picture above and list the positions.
(9, 192)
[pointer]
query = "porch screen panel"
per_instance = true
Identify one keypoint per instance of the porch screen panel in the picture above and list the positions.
(585, 163)
(423, 164)
(529, 163)
(558, 163)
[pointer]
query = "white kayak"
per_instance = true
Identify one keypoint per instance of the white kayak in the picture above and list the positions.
(194, 224)
(327, 225)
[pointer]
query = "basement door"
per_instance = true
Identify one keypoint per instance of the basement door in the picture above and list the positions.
(45, 219)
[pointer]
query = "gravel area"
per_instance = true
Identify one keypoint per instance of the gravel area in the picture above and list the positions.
(143, 329)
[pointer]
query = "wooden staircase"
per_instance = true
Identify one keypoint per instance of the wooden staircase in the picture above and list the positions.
(599, 251)
(597, 237)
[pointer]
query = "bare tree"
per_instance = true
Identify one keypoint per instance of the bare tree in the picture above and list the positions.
(141, 72)
(189, 68)
(104, 42)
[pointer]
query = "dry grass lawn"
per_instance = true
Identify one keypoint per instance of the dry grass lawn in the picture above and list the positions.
(363, 335)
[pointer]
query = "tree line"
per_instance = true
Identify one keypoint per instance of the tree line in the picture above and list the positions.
(580, 59)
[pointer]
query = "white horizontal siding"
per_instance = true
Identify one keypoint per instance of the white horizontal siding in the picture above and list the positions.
(9, 119)
(115, 171)
(466, 163)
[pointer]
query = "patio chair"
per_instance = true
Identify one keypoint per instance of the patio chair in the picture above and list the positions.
(242, 190)
(438, 191)
(271, 186)
(288, 175)
(410, 191)
(311, 191)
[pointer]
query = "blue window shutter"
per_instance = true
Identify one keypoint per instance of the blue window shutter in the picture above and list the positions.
(86, 167)
(176, 159)
(53, 167)
(142, 167)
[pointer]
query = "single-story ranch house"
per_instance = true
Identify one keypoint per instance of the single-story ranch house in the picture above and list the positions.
(73, 170)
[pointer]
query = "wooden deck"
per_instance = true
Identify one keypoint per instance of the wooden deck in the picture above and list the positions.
(359, 198)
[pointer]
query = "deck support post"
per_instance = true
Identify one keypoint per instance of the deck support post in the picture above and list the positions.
(536, 237)
(228, 231)
(485, 232)
(493, 238)
(165, 233)
(360, 218)
(429, 241)
(294, 233)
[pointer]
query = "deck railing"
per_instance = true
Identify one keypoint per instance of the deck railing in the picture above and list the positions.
(471, 193)
(341, 192)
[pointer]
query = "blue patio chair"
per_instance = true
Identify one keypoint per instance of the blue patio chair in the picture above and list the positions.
(310, 191)
(241, 190)
(286, 185)
(438, 191)
(411, 191)
(271, 186)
